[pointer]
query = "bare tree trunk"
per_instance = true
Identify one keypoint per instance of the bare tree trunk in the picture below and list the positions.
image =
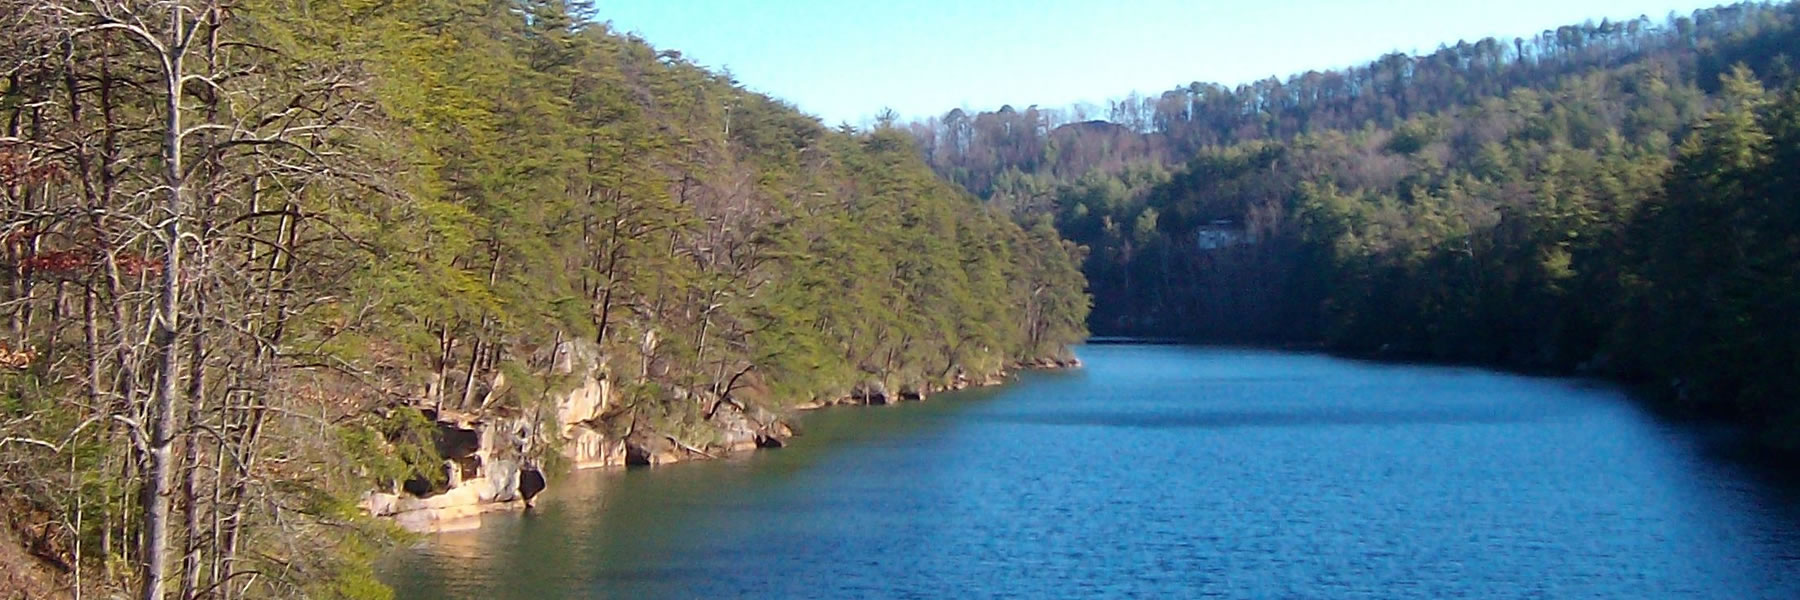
(468, 394)
(441, 368)
(612, 273)
(192, 458)
(190, 468)
(161, 414)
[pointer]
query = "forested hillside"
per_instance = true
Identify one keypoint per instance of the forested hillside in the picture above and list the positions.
(1017, 157)
(1613, 198)
(252, 246)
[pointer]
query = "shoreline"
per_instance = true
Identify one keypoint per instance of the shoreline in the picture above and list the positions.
(461, 507)
(1660, 399)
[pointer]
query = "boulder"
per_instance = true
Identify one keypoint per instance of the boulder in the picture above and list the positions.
(501, 483)
(531, 482)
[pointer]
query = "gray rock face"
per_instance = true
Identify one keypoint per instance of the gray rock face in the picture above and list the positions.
(483, 470)
(501, 483)
(490, 453)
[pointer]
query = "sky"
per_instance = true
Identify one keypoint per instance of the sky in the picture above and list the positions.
(846, 60)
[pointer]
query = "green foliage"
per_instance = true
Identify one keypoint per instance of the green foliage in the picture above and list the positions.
(1714, 265)
(580, 183)
(1015, 159)
(1611, 199)
(395, 208)
(393, 447)
(354, 575)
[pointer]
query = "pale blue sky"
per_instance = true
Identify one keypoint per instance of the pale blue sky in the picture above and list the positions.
(844, 60)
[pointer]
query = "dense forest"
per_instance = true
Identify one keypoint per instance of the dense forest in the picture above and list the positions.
(251, 249)
(1608, 198)
(251, 246)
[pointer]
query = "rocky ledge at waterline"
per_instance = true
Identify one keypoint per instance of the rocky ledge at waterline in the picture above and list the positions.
(488, 452)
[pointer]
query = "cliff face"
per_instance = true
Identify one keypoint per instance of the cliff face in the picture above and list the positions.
(484, 470)
(494, 459)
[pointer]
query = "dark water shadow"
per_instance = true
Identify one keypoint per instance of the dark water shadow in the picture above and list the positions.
(1776, 475)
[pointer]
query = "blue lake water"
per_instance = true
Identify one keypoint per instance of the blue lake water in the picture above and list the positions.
(1170, 471)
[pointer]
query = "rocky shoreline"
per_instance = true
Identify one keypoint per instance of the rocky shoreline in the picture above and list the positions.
(486, 464)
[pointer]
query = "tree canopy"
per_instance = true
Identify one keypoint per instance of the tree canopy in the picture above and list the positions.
(1605, 198)
(251, 245)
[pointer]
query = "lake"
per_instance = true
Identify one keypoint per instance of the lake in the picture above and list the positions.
(1170, 471)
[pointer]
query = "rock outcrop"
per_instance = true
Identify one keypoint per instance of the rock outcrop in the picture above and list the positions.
(589, 449)
(488, 454)
(484, 465)
(487, 464)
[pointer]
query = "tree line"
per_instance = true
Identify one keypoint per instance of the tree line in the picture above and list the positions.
(1605, 198)
(1016, 158)
(246, 246)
